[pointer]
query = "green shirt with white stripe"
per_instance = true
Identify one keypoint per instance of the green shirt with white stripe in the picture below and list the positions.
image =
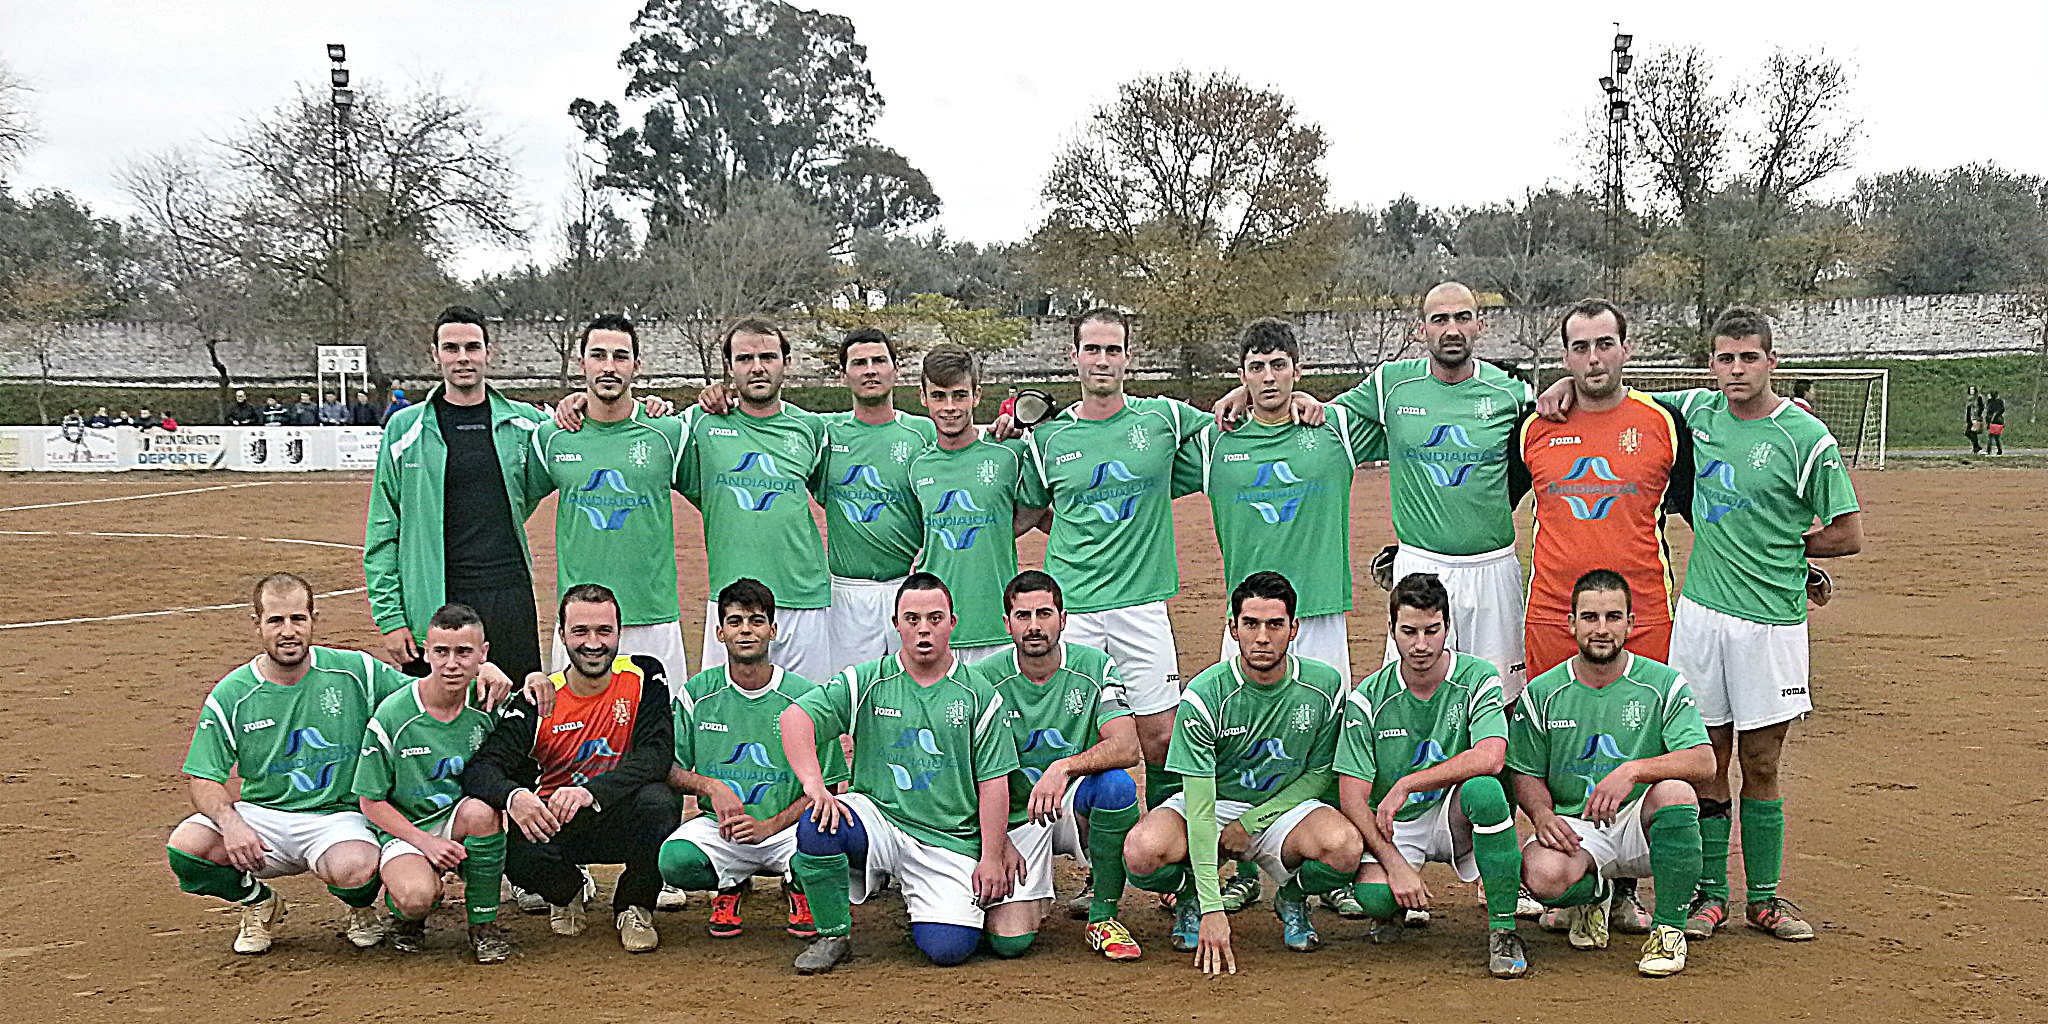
(1447, 451)
(1389, 733)
(1280, 498)
(1109, 483)
(967, 501)
(615, 516)
(1761, 485)
(1571, 735)
(919, 752)
(295, 747)
(1057, 718)
(1253, 738)
(871, 524)
(414, 761)
(752, 477)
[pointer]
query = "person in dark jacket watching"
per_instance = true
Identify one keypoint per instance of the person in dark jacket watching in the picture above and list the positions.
(364, 413)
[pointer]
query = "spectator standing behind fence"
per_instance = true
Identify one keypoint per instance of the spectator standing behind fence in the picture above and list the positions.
(242, 414)
(364, 412)
(1973, 419)
(167, 422)
(146, 420)
(274, 412)
(99, 418)
(303, 412)
(123, 420)
(1994, 424)
(334, 412)
(397, 402)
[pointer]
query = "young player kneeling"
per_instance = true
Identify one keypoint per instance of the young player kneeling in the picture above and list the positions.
(1604, 751)
(1422, 741)
(729, 754)
(1253, 739)
(930, 800)
(409, 782)
(1057, 695)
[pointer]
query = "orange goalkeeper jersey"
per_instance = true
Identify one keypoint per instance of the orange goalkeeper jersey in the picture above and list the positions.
(1603, 481)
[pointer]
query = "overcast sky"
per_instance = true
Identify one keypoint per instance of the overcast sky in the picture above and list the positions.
(1454, 110)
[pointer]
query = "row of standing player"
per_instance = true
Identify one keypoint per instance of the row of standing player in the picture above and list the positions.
(1110, 523)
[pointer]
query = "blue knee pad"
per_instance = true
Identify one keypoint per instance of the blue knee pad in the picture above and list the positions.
(945, 944)
(1112, 790)
(851, 839)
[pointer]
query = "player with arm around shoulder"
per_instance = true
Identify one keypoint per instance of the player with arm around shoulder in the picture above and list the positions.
(1603, 752)
(1253, 741)
(729, 755)
(409, 784)
(930, 798)
(1057, 695)
(1423, 741)
(290, 723)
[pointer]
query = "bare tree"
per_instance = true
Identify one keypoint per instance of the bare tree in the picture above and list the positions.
(17, 127)
(1197, 201)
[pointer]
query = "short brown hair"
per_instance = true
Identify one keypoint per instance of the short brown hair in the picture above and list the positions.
(1742, 323)
(1588, 309)
(760, 325)
(950, 364)
(1103, 315)
(283, 583)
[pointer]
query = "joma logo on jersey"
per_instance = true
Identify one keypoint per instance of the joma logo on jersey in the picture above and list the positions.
(568, 456)
(1237, 457)
(1562, 723)
(1410, 410)
(1235, 730)
(415, 751)
(924, 481)
(1068, 457)
(888, 712)
(722, 432)
(1390, 734)
(565, 727)
(711, 727)
(1556, 441)
(263, 723)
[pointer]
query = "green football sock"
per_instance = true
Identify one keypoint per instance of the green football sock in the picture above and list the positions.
(1171, 878)
(483, 873)
(1763, 847)
(1248, 870)
(364, 895)
(1314, 876)
(1715, 825)
(1378, 900)
(685, 865)
(1106, 832)
(1160, 785)
(1674, 857)
(828, 881)
(1009, 947)
(1589, 889)
(1493, 845)
(202, 877)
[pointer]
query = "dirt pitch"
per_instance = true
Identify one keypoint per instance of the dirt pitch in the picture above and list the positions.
(1917, 821)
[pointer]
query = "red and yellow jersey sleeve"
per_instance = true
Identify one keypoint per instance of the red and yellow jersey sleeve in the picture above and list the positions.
(586, 736)
(1599, 480)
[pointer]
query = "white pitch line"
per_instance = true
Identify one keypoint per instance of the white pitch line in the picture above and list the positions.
(136, 497)
(155, 614)
(177, 536)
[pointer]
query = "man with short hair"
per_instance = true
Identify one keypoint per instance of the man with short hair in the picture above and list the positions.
(1603, 753)
(1449, 420)
(364, 412)
(751, 474)
(273, 412)
(615, 521)
(1253, 742)
(290, 723)
(930, 798)
(409, 784)
(1422, 741)
(587, 782)
(968, 491)
(1074, 741)
(99, 418)
(242, 414)
(334, 412)
(303, 413)
(448, 504)
(729, 756)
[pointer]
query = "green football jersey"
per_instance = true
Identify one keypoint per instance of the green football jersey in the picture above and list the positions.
(1389, 733)
(919, 752)
(615, 519)
(414, 761)
(296, 746)
(1280, 497)
(735, 736)
(1109, 483)
(1761, 485)
(1057, 718)
(1447, 450)
(871, 528)
(752, 477)
(1255, 739)
(968, 501)
(1571, 735)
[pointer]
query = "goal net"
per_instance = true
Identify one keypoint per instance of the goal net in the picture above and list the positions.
(1852, 402)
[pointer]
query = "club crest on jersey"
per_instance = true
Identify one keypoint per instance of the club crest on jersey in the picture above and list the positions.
(1076, 701)
(1305, 440)
(986, 472)
(622, 712)
(1633, 713)
(1631, 440)
(637, 452)
(1137, 438)
(1304, 717)
(956, 713)
(1760, 455)
(900, 451)
(1483, 408)
(330, 701)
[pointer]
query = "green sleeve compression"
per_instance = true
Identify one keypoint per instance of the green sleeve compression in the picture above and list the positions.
(1201, 808)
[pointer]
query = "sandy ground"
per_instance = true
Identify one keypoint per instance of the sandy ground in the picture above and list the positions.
(1916, 820)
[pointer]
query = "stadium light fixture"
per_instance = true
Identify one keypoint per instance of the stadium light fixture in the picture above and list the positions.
(339, 77)
(344, 97)
(1625, 62)
(1622, 41)
(336, 52)
(1606, 84)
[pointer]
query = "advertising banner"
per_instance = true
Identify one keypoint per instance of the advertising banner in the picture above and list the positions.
(188, 448)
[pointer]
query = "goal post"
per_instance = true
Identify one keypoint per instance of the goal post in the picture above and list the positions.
(1854, 402)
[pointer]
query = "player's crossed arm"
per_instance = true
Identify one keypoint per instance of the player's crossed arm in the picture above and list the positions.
(1115, 747)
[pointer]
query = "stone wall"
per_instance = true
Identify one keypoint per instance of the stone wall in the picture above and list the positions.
(1911, 327)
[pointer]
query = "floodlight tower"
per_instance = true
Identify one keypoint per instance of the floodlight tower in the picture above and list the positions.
(342, 102)
(1615, 85)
